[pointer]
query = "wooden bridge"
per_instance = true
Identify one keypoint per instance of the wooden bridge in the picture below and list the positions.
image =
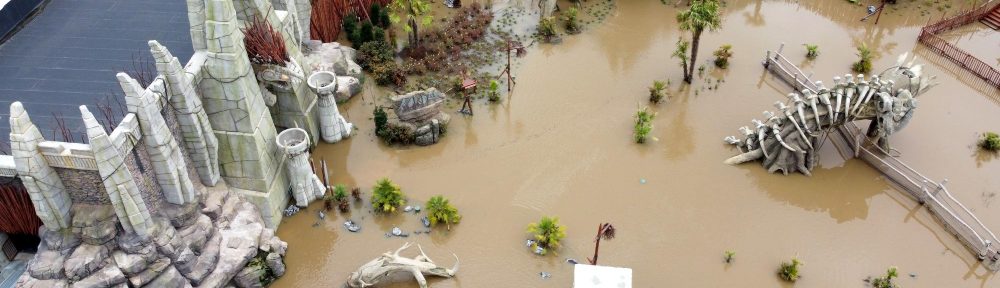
(851, 140)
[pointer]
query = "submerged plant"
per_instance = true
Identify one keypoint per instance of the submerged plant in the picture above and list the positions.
(656, 92)
(680, 52)
(547, 28)
(547, 233)
(990, 141)
(790, 271)
(722, 56)
(886, 281)
(812, 50)
(381, 118)
(643, 124)
(386, 196)
(729, 256)
(605, 231)
(864, 64)
(440, 211)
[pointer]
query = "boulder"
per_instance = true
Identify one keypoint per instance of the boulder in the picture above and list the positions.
(276, 264)
(96, 224)
(107, 277)
(62, 240)
(347, 86)
(170, 278)
(332, 57)
(47, 264)
(26, 281)
(152, 272)
(204, 264)
(249, 277)
(196, 235)
(132, 264)
(418, 106)
(85, 260)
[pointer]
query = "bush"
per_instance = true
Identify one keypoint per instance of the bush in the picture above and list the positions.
(656, 93)
(494, 94)
(365, 34)
(812, 51)
(351, 27)
(340, 196)
(864, 64)
(643, 124)
(547, 233)
(386, 196)
(886, 281)
(394, 133)
(990, 141)
(440, 211)
(729, 256)
(547, 27)
(790, 271)
(572, 23)
(379, 59)
(381, 118)
(722, 56)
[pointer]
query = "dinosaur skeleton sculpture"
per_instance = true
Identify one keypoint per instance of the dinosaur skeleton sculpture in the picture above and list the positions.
(384, 266)
(786, 141)
(278, 78)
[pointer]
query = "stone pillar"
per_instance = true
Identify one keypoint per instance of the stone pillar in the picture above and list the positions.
(196, 20)
(199, 137)
(248, 155)
(333, 127)
(303, 8)
(45, 189)
(168, 162)
(118, 182)
(306, 187)
(295, 107)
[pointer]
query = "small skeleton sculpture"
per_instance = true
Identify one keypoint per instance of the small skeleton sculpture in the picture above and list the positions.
(278, 78)
(786, 140)
(384, 266)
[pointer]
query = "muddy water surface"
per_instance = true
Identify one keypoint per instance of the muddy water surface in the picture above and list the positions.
(561, 145)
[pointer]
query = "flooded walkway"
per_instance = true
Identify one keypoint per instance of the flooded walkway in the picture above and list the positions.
(562, 146)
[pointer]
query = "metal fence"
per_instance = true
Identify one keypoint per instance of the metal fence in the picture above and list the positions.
(959, 56)
(780, 65)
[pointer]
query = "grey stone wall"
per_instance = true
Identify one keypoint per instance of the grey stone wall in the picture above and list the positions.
(144, 177)
(83, 186)
(169, 115)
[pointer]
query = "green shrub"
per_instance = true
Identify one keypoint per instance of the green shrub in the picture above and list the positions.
(886, 281)
(386, 196)
(340, 195)
(547, 27)
(643, 124)
(571, 19)
(393, 133)
(379, 59)
(729, 256)
(350, 25)
(494, 93)
(790, 271)
(864, 64)
(990, 141)
(381, 118)
(440, 211)
(812, 51)
(722, 56)
(656, 93)
(547, 233)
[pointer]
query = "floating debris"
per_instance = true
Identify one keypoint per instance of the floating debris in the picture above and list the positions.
(291, 210)
(529, 243)
(396, 231)
(322, 215)
(426, 222)
(572, 261)
(642, 181)
(539, 250)
(416, 209)
(408, 209)
(351, 226)
(913, 275)
(545, 275)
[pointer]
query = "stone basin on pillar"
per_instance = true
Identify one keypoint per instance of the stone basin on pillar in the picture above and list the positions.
(306, 187)
(333, 126)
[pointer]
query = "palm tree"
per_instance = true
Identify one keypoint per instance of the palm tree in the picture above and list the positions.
(604, 231)
(386, 196)
(547, 232)
(702, 15)
(440, 211)
(413, 10)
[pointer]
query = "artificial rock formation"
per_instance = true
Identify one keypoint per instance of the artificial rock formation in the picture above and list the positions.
(381, 268)
(333, 126)
(786, 141)
(420, 113)
(52, 203)
(306, 187)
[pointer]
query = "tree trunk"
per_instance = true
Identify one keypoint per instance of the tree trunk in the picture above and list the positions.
(414, 33)
(695, 38)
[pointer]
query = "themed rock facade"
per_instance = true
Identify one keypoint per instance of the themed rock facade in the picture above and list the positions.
(420, 112)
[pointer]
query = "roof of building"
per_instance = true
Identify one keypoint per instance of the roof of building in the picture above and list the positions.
(68, 54)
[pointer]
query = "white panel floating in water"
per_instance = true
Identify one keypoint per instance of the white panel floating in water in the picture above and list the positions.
(591, 276)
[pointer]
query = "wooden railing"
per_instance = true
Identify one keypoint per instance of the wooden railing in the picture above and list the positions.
(928, 37)
(776, 62)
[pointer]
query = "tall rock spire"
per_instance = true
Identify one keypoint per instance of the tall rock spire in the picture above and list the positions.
(168, 162)
(199, 137)
(44, 186)
(118, 182)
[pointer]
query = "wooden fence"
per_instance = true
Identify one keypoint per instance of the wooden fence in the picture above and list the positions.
(967, 61)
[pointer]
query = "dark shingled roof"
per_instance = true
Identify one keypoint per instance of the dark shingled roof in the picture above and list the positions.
(69, 53)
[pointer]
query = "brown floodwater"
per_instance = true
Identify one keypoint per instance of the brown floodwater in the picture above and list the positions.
(561, 145)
